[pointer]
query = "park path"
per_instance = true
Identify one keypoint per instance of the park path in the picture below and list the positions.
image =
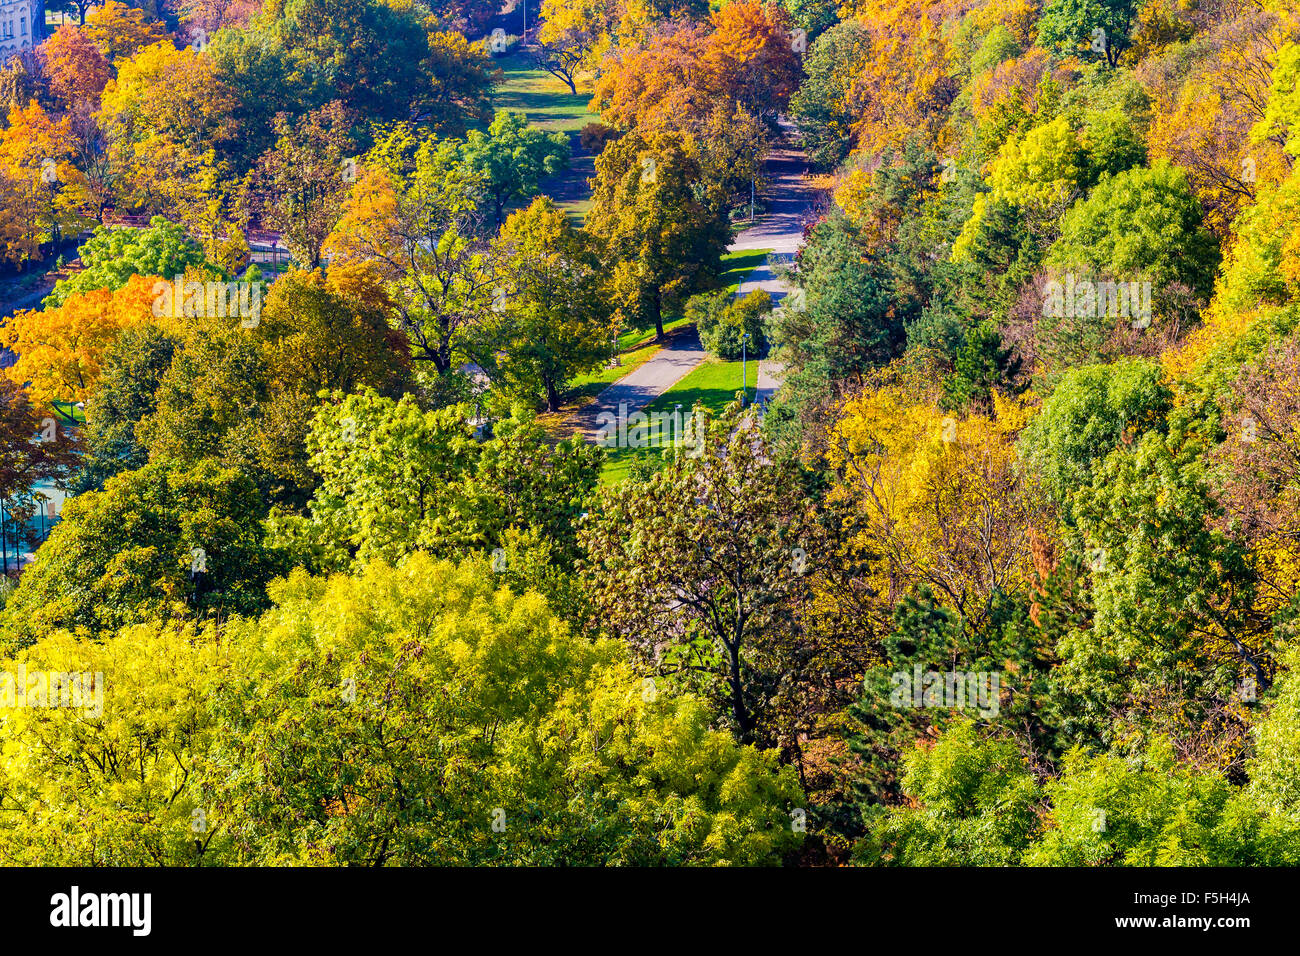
(791, 198)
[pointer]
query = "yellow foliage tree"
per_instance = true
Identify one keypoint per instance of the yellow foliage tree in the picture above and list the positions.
(45, 195)
(942, 500)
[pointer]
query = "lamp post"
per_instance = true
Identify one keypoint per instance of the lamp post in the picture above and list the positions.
(744, 379)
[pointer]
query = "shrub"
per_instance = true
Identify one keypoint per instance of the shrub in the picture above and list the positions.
(722, 321)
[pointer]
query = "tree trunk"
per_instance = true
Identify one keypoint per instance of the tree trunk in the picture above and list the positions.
(743, 721)
(552, 395)
(657, 311)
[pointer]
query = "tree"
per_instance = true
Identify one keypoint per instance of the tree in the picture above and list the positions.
(61, 349)
(554, 321)
(742, 59)
(1075, 26)
(147, 725)
(512, 158)
(394, 479)
(300, 185)
(328, 334)
(974, 804)
(842, 322)
(661, 241)
(944, 501)
(120, 31)
(981, 365)
(461, 76)
(113, 254)
(170, 121)
(1211, 108)
(157, 542)
(1177, 627)
(701, 569)
(46, 196)
(822, 107)
(133, 368)
(1089, 412)
(371, 53)
(413, 216)
(76, 69)
(486, 749)
(723, 320)
(1141, 224)
(562, 53)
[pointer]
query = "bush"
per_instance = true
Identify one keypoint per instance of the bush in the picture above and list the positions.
(722, 321)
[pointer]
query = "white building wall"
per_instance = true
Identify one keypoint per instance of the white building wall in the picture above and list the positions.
(22, 24)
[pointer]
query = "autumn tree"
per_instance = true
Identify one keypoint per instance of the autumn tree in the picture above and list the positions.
(46, 195)
(702, 567)
(347, 789)
(662, 241)
(61, 349)
(554, 321)
(121, 31)
(74, 65)
(300, 185)
(413, 216)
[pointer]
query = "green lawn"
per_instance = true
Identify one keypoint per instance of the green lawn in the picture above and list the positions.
(548, 103)
(740, 264)
(546, 100)
(713, 383)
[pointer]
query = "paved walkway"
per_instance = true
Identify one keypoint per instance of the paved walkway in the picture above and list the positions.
(639, 388)
(790, 198)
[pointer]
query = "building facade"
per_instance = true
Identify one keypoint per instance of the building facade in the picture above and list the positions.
(22, 26)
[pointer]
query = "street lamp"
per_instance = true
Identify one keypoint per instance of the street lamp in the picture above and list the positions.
(744, 379)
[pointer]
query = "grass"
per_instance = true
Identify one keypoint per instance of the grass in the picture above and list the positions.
(545, 99)
(713, 384)
(740, 264)
(547, 103)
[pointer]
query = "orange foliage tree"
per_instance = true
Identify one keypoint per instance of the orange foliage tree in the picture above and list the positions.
(61, 350)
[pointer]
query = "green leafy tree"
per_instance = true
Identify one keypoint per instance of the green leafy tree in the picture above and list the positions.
(133, 370)
(156, 542)
(554, 319)
(116, 253)
(976, 805)
(442, 720)
(1098, 27)
(395, 478)
(1144, 223)
(1083, 420)
(723, 319)
(981, 366)
(1176, 633)
(513, 158)
(840, 323)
